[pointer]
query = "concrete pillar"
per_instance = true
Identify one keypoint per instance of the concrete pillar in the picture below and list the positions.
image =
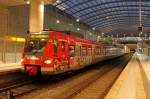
(36, 19)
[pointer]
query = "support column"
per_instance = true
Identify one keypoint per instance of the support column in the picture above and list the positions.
(36, 20)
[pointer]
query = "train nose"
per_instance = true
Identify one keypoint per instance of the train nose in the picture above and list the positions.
(33, 71)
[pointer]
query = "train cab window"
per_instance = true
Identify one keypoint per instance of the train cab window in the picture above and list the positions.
(55, 46)
(71, 50)
(35, 47)
(84, 52)
(63, 46)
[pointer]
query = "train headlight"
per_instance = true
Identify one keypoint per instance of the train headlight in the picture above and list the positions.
(47, 61)
(22, 60)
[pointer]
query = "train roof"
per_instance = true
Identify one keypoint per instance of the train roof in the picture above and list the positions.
(72, 35)
(76, 34)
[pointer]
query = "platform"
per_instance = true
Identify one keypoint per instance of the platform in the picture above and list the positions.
(10, 67)
(134, 81)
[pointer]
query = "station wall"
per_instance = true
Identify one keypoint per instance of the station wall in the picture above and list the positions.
(15, 22)
(12, 23)
(3, 30)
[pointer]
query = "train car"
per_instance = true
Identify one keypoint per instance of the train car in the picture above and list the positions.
(53, 52)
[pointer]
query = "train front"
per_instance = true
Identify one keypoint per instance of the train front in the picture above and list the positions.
(35, 55)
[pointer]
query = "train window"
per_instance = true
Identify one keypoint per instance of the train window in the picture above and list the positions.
(78, 50)
(102, 51)
(71, 50)
(63, 46)
(96, 51)
(89, 51)
(84, 51)
(105, 51)
(99, 51)
(93, 53)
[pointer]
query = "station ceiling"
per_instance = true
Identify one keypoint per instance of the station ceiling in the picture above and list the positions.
(117, 17)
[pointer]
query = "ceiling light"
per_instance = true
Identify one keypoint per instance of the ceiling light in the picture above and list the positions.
(27, 1)
(77, 20)
(93, 28)
(78, 29)
(57, 21)
(58, 1)
(62, 8)
(107, 17)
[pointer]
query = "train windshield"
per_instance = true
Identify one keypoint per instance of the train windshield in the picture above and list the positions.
(35, 44)
(35, 47)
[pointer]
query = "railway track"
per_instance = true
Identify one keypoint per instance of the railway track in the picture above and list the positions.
(11, 80)
(12, 89)
(76, 86)
(15, 88)
(10, 77)
(88, 89)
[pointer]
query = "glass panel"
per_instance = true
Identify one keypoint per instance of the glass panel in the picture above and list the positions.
(84, 51)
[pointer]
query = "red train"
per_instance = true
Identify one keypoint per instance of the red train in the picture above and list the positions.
(53, 52)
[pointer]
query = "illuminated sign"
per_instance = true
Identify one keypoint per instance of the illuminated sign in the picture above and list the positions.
(13, 38)
(39, 36)
(20, 40)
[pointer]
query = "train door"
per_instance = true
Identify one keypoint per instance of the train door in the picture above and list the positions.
(78, 55)
(89, 55)
(58, 49)
(55, 51)
(97, 53)
(84, 55)
(93, 53)
(71, 50)
(64, 60)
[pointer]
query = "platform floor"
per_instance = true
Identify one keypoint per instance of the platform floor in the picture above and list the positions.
(10, 67)
(134, 81)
